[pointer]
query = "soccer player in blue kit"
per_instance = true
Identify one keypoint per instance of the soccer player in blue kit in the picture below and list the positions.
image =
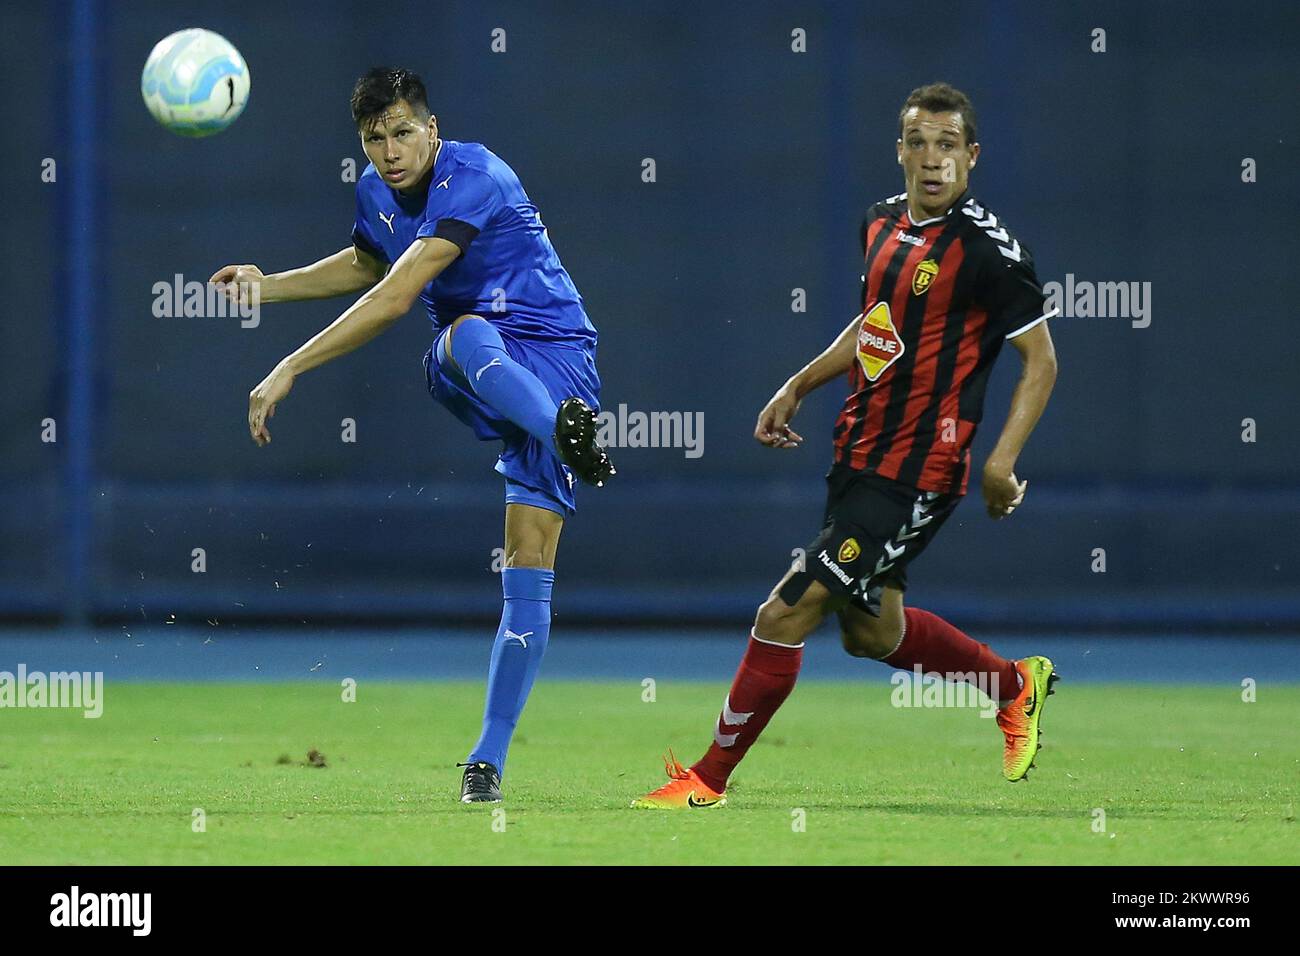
(513, 355)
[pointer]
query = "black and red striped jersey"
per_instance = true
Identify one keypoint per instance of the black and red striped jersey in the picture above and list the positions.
(939, 297)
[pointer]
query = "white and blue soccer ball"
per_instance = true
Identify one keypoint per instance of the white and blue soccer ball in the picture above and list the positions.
(195, 83)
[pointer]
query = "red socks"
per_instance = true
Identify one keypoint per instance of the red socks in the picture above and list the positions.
(763, 681)
(937, 647)
(768, 671)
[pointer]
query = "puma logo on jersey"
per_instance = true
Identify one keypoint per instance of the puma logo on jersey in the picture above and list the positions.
(389, 221)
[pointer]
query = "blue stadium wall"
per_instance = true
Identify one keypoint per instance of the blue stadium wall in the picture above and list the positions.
(1123, 165)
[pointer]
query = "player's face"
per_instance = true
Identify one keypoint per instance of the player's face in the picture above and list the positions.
(936, 159)
(401, 145)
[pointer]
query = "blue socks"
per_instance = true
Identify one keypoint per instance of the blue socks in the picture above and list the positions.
(501, 382)
(518, 395)
(516, 655)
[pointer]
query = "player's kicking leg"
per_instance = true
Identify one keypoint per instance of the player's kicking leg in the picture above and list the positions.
(532, 535)
(766, 675)
(906, 638)
(474, 350)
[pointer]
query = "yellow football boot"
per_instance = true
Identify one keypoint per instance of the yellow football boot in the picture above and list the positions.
(1020, 719)
(683, 791)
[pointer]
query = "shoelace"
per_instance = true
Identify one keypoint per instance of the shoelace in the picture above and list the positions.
(674, 768)
(480, 778)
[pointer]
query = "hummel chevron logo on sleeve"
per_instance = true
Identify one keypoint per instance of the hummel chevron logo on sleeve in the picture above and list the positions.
(1009, 247)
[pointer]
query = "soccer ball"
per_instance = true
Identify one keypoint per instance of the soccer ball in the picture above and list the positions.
(195, 83)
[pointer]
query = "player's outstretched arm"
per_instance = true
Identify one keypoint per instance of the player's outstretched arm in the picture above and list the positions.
(348, 270)
(1002, 492)
(773, 428)
(373, 313)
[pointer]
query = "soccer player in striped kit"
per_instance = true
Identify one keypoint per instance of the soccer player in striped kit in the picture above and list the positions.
(945, 284)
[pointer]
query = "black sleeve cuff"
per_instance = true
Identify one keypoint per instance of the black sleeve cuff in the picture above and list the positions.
(362, 243)
(455, 231)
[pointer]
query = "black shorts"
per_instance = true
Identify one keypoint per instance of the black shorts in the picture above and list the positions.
(874, 528)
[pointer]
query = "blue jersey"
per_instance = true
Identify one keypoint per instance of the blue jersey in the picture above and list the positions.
(507, 272)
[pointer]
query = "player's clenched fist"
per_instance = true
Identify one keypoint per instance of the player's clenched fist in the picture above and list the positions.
(242, 285)
(1002, 493)
(773, 428)
(262, 401)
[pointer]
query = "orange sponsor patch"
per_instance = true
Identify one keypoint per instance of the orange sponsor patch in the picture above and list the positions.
(879, 344)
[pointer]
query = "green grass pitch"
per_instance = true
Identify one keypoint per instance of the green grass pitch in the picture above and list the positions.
(1183, 774)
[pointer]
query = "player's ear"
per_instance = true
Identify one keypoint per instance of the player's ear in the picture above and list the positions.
(898, 147)
(974, 155)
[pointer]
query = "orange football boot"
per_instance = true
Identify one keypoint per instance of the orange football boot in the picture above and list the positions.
(684, 790)
(1019, 720)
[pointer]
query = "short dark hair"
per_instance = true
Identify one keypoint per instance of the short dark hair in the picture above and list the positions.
(383, 86)
(941, 98)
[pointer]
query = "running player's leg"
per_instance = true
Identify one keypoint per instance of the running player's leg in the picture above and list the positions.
(907, 637)
(868, 635)
(765, 678)
(475, 350)
(767, 672)
(532, 535)
(910, 638)
(897, 523)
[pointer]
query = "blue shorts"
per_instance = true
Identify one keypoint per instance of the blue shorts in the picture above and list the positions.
(534, 476)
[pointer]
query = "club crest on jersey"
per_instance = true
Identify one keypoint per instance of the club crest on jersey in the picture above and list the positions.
(849, 551)
(924, 275)
(879, 344)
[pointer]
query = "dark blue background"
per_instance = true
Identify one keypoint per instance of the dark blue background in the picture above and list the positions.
(1119, 166)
